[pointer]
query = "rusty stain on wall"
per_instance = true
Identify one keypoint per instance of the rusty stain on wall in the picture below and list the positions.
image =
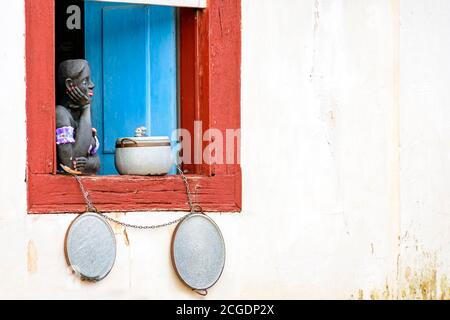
(444, 288)
(32, 257)
(125, 235)
(384, 294)
(360, 294)
(118, 229)
(424, 282)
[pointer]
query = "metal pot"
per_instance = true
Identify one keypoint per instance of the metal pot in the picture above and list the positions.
(143, 156)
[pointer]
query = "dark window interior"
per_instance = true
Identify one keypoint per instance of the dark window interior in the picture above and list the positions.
(69, 44)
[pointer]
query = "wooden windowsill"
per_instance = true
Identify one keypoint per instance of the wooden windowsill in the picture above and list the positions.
(50, 193)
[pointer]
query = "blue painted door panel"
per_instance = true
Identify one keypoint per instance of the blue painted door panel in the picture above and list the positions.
(126, 70)
(163, 57)
(132, 53)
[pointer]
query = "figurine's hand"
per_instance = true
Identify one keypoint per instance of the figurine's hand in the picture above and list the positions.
(89, 165)
(78, 96)
(85, 108)
(95, 144)
(80, 164)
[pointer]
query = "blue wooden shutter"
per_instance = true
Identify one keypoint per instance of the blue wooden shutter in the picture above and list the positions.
(132, 52)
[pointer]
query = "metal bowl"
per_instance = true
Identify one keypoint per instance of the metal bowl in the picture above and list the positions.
(143, 156)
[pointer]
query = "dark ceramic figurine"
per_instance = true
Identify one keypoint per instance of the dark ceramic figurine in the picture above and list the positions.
(76, 140)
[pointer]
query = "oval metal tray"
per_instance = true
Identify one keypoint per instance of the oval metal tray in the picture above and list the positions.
(198, 252)
(91, 246)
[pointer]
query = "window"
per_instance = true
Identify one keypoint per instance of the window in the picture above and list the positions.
(209, 83)
(132, 50)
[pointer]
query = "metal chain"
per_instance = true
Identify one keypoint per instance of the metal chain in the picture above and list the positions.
(91, 208)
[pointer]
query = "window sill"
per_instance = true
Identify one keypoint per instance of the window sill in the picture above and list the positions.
(61, 194)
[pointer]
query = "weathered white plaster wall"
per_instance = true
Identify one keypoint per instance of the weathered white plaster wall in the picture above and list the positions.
(349, 102)
(425, 148)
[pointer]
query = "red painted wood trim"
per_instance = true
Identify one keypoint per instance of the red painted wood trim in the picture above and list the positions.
(40, 96)
(224, 79)
(188, 78)
(210, 43)
(61, 194)
(210, 91)
(194, 71)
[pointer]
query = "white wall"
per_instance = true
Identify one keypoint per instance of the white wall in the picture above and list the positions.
(425, 147)
(351, 199)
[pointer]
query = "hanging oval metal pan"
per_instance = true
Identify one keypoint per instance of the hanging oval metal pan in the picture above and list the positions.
(91, 247)
(198, 252)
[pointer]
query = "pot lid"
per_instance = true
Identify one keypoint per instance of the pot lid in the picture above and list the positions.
(142, 142)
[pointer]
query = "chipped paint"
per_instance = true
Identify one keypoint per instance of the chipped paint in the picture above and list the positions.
(118, 229)
(32, 257)
(126, 238)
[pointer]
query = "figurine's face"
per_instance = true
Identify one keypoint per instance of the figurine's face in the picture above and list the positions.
(80, 89)
(85, 83)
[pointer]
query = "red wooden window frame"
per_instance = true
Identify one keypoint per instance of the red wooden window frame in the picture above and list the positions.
(210, 59)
